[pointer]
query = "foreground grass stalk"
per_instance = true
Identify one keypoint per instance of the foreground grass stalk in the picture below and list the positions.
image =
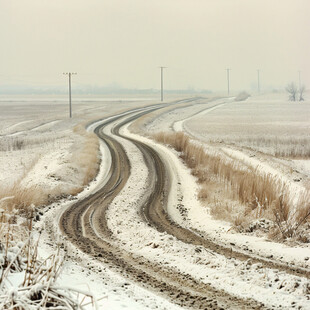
(38, 290)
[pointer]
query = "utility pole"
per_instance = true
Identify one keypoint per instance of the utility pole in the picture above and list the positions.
(228, 80)
(299, 79)
(258, 85)
(162, 82)
(70, 106)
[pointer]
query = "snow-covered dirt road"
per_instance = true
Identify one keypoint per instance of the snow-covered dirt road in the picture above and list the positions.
(129, 224)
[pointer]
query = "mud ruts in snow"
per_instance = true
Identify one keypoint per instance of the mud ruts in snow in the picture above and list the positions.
(83, 271)
(134, 235)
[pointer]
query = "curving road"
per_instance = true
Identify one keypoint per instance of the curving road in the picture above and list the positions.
(85, 225)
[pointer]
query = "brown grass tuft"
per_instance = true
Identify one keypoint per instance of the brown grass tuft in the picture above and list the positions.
(84, 165)
(86, 156)
(22, 198)
(223, 182)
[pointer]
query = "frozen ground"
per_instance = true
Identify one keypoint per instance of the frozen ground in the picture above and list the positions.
(43, 126)
(37, 140)
(258, 127)
(122, 221)
(208, 120)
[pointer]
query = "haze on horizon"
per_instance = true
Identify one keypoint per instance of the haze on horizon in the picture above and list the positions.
(123, 42)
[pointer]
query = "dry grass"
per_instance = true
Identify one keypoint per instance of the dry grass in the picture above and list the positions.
(248, 186)
(17, 143)
(268, 124)
(85, 155)
(22, 198)
(292, 222)
(18, 205)
(36, 287)
(80, 169)
(283, 145)
(286, 147)
(223, 182)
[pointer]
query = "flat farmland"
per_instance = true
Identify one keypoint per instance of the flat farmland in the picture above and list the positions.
(269, 124)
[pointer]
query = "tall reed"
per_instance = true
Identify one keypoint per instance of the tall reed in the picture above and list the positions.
(262, 194)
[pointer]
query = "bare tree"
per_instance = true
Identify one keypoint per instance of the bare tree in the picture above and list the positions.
(291, 88)
(301, 92)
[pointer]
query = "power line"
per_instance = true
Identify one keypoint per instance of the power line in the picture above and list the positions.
(70, 106)
(162, 82)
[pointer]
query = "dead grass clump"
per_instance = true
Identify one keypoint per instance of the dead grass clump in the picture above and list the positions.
(204, 192)
(178, 140)
(35, 287)
(302, 214)
(228, 210)
(21, 199)
(86, 155)
(223, 182)
(291, 223)
(248, 186)
(24, 199)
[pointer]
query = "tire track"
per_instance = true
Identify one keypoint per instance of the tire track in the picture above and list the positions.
(156, 214)
(85, 225)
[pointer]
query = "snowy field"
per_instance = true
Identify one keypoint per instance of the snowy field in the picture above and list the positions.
(268, 127)
(269, 124)
(40, 145)
(41, 151)
(41, 148)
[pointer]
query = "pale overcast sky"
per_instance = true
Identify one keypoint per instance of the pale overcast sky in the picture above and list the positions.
(124, 42)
